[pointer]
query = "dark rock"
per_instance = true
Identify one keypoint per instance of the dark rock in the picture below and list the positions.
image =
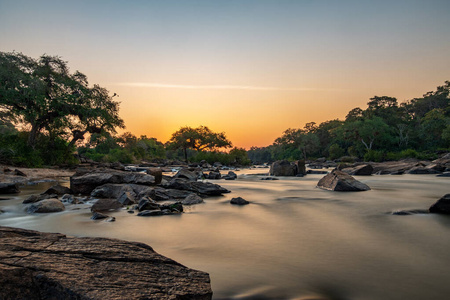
(176, 207)
(316, 172)
(204, 188)
(58, 190)
(147, 204)
(112, 190)
(37, 198)
(422, 170)
(283, 168)
(340, 181)
(150, 213)
(192, 199)
(98, 216)
(17, 172)
(230, 176)
(54, 266)
(126, 198)
(46, 206)
(186, 174)
(160, 194)
(301, 168)
(9, 188)
(269, 178)
(442, 206)
(214, 175)
(360, 170)
(445, 174)
(239, 201)
(157, 173)
(111, 219)
(85, 184)
(409, 212)
(106, 205)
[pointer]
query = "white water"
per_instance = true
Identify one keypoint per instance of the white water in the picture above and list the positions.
(293, 241)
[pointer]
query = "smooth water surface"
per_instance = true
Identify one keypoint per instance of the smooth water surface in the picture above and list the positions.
(293, 241)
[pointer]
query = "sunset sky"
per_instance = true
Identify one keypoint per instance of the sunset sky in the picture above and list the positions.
(248, 68)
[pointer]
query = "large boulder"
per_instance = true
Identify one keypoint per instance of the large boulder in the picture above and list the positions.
(342, 182)
(283, 168)
(198, 187)
(157, 173)
(55, 266)
(112, 190)
(214, 175)
(46, 206)
(9, 188)
(161, 194)
(86, 183)
(106, 205)
(422, 170)
(442, 206)
(360, 170)
(230, 176)
(186, 174)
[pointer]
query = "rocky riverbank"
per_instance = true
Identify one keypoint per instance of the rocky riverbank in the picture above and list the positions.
(36, 265)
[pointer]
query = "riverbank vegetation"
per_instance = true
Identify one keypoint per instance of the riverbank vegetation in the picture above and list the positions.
(50, 116)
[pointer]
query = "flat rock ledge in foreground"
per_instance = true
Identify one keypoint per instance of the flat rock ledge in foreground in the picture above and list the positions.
(36, 265)
(341, 182)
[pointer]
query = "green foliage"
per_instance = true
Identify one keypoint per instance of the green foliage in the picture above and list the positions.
(336, 151)
(236, 157)
(373, 155)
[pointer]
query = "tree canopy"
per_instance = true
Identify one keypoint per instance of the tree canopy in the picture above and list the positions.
(44, 95)
(198, 139)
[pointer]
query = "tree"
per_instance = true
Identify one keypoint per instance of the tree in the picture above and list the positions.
(199, 139)
(44, 95)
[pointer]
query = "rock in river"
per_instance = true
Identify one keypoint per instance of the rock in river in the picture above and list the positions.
(46, 206)
(442, 206)
(342, 182)
(239, 201)
(55, 266)
(9, 188)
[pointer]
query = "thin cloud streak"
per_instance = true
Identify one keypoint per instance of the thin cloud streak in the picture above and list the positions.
(215, 87)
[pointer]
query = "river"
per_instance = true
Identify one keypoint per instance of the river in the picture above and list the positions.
(293, 241)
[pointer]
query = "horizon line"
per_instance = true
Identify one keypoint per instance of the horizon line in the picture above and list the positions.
(218, 87)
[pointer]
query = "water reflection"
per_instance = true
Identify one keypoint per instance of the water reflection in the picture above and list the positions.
(293, 241)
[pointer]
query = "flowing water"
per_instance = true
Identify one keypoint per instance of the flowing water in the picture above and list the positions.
(293, 241)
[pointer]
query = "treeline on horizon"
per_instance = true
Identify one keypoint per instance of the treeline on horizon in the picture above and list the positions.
(50, 116)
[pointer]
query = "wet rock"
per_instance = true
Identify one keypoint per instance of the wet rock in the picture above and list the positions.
(204, 188)
(9, 188)
(106, 205)
(422, 170)
(58, 190)
(186, 174)
(98, 216)
(111, 190)
(342, 182)
(147, 204)
(150, 213)
(176, 207)
(445, 174)
(442, 206)
(192, 199)
(161, 194)
(361, 170)
(283, 168)
(46, 206)
(37, 198)
(126, 198)
(239, 201)
(269, 178)
(409, 212)
(230, 176)
(54, 266)
(214, 175)
(86, 183)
